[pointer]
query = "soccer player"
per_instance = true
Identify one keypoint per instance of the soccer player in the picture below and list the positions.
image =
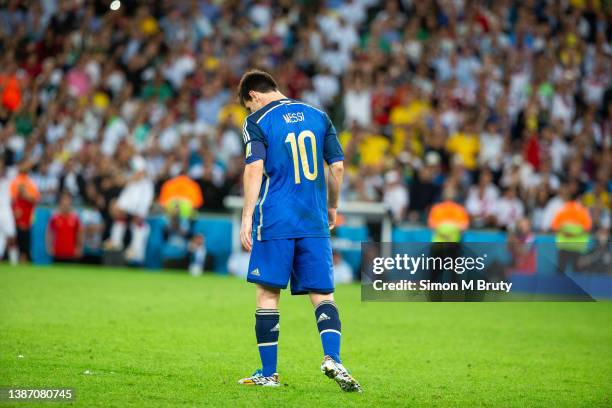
(7, 219)
(288, 212)
(133, 203)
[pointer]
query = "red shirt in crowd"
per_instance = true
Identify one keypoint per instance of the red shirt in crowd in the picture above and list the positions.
(23, 210)
(65, 228)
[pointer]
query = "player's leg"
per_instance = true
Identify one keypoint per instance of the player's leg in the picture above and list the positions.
(24, 244)
(137, 203)
(138, 244)
(118, 228)
(269, 268)
(13, 251)
(267, 328)
(3, 243)
(313, 274)
(8, 242)
(328, 323)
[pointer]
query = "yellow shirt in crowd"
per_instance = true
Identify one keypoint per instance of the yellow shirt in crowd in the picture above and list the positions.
(238, 114)
(403, 115)
(372, 149)
(466, 146)
(589, 199)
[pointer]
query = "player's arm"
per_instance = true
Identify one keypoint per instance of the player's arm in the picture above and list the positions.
(334, 183)
(253, 174)
(334, 156)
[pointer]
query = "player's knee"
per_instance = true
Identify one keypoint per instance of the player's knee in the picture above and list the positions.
(317, 298)
(119, 215)
(267, 297)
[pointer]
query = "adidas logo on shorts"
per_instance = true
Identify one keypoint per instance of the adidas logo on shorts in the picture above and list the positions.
(255, 272)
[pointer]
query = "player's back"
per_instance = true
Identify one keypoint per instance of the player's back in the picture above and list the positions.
(298, 139)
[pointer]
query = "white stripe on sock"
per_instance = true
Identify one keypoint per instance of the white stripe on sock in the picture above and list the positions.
(330, 330)
(267, 344)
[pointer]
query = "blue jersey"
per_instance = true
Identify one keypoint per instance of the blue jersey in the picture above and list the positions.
(293, 139)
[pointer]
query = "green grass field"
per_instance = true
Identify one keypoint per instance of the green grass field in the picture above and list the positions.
(166, 339)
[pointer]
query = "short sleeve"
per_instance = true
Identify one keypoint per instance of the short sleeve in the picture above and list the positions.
(332, 150)
(254, 141)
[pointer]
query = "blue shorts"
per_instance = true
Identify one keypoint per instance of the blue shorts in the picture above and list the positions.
(307, 262)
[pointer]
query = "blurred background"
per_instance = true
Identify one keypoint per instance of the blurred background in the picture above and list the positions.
(121, 136)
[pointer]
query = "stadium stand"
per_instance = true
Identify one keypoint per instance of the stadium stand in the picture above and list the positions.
(504, 106)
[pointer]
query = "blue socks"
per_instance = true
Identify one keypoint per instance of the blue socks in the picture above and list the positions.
(328, 322)
(267, 329)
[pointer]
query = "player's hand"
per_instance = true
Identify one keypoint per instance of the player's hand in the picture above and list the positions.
(246, 236)
(331, 215)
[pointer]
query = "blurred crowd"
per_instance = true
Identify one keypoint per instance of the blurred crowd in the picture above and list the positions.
(503, 106)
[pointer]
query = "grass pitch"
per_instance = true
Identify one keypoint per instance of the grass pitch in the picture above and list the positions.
(135, 338)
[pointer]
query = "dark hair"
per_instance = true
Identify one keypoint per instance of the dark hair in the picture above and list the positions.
(255, 80)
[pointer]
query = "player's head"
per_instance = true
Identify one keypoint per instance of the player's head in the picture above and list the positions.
(253, 88)
(65, 201)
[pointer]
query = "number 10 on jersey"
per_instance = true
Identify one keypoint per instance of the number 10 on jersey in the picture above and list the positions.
(299, 145)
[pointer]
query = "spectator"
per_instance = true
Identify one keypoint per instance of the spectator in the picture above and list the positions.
(572, 224)
(466, 145)
(395, 196)
(358, 103)
(25, 196)
(47, 184)
(93, 228)
(521, 245)
(183, 248)
(177, 232)
(423, 192)
(491, 147)
(65, 233)
(72, 181)
(509, 209)
(482, 200)
(448, 219)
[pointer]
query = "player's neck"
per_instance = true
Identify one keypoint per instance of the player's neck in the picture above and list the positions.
(272, 97)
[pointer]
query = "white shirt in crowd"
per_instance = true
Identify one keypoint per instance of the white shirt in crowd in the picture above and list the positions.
(395, 196)
(491, 150)
(508, 211)
(358, 107)
(482, 205)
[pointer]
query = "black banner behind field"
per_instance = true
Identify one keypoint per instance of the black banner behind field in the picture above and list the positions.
(473, 272)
